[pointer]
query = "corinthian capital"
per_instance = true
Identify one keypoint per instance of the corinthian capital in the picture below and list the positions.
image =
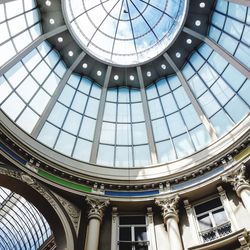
(168, 206)
(96, 207)
(238, 179)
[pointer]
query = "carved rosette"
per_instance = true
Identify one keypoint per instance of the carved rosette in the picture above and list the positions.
(238, 180)
(96, 208)
(169, 207)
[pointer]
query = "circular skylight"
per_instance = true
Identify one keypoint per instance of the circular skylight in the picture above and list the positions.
(125, 32)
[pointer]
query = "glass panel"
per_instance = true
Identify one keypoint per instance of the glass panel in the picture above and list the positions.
(205, 222)
(48, 134)
(137, 112)
(200, 137)
(112, 95)
(220, 217)
(142, 156)
(13, 106)
(132, 220)
(110, 112)
(221, 123)
(125, 246)
(140, 234)
(108, 133)
(82, 150)
(58, 114)
(72, 122)
(79, 102)
(87, 128)
(123, 114)
(40, 101)
(155, 109)
(206, 206)
(123, 136)
(160, 129)
(124, 157)
(176, 124)
(92, 107)
(28, 120)
(183, 145)
(139, 133)
(65, 143)
(165, 151)
(105, 155)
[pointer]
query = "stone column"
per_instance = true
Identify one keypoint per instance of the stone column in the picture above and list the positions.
(240, 184)
(171, 220)
(115, 222)
(96, 210)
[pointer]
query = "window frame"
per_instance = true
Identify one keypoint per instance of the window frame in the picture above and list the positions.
(214, 227)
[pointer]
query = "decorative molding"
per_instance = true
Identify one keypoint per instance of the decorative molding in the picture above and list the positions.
(150, 214)
(169, 207)
(114, 214)
(96, 207)
(238, 179)
(73, 212)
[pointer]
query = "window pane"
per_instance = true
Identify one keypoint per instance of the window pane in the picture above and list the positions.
(140, 234)
(220, 217)
(105, 155)
(205, 222)
(132, 220)
(125, 234)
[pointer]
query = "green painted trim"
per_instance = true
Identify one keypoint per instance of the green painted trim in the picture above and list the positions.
(242, 154)
(64, 182)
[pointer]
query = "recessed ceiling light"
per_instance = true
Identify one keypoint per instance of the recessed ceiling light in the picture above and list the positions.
(132, 78)
(99, 73)
(197, 23)
(202, 5)
(116, 77)
(51, 21)
(149, 74)
(163, 66)
(70, 53)
(189, 41)
(48, 3)
(178, 54)
(60, 39)
(85, 65)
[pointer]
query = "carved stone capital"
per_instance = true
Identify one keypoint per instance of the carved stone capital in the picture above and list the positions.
(96, 208)
(169, 207)
(238, 180)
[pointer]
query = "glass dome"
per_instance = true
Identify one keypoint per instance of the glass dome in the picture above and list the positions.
(174, 117)
(125, 32)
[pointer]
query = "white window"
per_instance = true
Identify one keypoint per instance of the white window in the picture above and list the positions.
(212, 220)
(133, 233)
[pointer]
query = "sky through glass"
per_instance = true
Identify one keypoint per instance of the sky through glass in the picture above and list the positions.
(125, 32)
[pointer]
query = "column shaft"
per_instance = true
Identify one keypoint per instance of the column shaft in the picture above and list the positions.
(173, 233)
(92, 239)
(245, 197)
